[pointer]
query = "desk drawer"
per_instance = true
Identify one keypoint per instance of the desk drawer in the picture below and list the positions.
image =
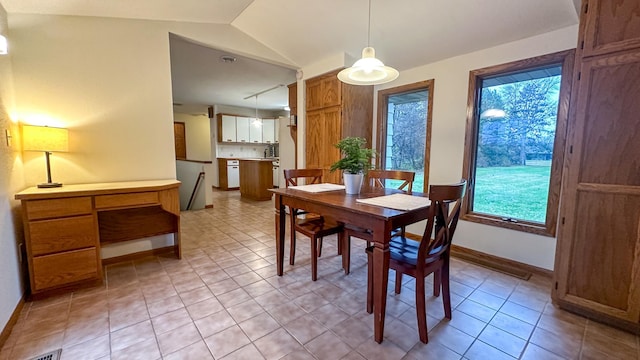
(65, 268)
(55, 208)
(49, 236)
(125, 200)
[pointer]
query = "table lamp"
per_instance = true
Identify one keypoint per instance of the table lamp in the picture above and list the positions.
(47, 139)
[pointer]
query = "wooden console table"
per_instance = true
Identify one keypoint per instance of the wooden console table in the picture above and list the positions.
(65, 227)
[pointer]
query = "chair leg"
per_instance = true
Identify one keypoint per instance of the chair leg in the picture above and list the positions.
(369, 283)
(421, 308)
(398, 281)
(437, 282)
(446, 295)
(339, 244)
(314, 258)
(319, 248)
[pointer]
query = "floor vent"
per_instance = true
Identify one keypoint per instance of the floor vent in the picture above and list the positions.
(52, 355)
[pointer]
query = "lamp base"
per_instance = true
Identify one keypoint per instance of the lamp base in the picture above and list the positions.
(49, 185)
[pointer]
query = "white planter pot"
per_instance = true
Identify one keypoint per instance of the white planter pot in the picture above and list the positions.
(352, 183)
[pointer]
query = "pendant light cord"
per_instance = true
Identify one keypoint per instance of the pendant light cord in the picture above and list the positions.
(256, 108)
(369, 27)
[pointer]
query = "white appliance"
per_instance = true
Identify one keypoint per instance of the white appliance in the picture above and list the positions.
(276, 173)
(233, 173)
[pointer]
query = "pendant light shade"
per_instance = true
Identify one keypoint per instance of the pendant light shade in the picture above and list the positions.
(368, 70)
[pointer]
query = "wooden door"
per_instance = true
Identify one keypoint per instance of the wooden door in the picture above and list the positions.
(332, 135)
(314, 94)
(611, 25)
(180, 140)
(598, 259)
(314, 146)
(331, 91)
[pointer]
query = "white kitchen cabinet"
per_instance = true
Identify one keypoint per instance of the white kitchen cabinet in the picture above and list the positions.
(255, 130)
(228, 128)
(243, 125)
(268, 131)
(276, 127)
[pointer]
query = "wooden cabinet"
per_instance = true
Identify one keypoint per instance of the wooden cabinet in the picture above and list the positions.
(66, 227)
(334, 111)
(256, 178)
(597, 269)
(228, 173)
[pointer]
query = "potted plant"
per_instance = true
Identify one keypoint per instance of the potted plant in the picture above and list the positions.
(356, 161)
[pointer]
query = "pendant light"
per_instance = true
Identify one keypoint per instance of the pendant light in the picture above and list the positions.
(368, 70)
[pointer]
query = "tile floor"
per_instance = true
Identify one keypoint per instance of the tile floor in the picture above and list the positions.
(223, 301)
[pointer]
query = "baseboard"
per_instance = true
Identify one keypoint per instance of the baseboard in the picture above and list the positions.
(139, 255)
(6, 331)
(208, 206)
(503, 265)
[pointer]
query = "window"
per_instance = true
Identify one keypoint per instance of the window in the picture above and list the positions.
(404, 131)
(515, 142)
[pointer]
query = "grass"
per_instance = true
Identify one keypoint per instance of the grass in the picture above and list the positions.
(518, 192)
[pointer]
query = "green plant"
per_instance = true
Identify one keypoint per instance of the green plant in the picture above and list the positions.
(356, 158)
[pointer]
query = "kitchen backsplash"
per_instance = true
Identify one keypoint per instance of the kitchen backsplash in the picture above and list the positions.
(241, 151)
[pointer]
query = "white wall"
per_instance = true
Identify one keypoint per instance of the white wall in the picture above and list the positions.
(198, 142)
(107, 80)
(11, 181)
(448, 133)
(198, 135)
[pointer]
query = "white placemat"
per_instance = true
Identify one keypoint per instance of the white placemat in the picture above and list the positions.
(397, 201)
(316, 188)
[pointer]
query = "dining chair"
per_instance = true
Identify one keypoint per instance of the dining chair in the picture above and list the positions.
(314, 226)
(375, 178)
(430, 255)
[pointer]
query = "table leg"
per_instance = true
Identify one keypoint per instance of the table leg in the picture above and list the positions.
(380, 282)
(280, 231)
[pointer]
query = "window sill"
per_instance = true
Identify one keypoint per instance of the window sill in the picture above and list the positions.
(524, 226)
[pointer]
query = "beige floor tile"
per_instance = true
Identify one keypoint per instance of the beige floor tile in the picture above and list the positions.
(214, 323)
(88, 350)
(259, 326)
(226, 341)
(131, 335)
(178, 338)
(224, 299)
(146, 350)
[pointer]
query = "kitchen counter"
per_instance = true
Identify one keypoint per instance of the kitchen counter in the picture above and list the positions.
(256, 178)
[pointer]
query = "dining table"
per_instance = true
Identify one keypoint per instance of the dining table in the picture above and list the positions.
(349, 209)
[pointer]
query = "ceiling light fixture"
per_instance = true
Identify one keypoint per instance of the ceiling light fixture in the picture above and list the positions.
(368, 70)
(228, 59)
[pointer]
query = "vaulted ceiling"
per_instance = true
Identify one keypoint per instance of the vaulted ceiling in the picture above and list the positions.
(405, 33)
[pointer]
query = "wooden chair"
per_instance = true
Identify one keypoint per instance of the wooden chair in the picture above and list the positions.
(314, 226)
(421, 258)
(375, 178)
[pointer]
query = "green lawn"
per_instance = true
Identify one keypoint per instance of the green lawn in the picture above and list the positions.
(519, 192)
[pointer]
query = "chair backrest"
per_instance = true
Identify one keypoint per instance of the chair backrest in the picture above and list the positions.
(442, 218)
(311, 176)
(376, 178)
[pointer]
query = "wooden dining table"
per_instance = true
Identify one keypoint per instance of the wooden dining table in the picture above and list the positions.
(344, 208)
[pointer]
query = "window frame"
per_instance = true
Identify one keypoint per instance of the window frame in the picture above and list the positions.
(548, 228)
(381, 128)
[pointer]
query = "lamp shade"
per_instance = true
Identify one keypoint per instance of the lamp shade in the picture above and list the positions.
(368, 71)
(44, 138)
(4, 47)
